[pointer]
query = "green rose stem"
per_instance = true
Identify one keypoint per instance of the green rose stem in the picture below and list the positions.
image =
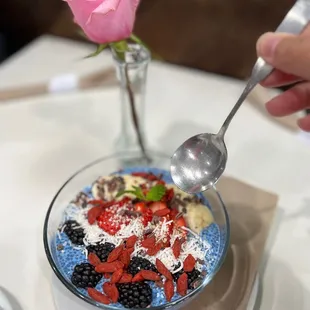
(134, 114)
(120, 49)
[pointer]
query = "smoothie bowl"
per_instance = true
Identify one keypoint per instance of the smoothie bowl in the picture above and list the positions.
(129, 238)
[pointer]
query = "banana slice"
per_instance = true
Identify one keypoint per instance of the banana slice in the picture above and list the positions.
(197, 215)
(106, 188)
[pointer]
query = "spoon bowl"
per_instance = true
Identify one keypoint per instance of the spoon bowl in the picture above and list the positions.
(199, 162)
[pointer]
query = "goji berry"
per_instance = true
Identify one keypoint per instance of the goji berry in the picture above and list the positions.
(107, 267)
(189, 263)
(150, 275)
(176, 248)
(163, 269)
(131, 241)
(93, 214)
(138, 277)
(130, 250)
(125, 258)
(93, 259)
(126, 278)
(153, 251)
(107, 275)
(97, 296)
(116, 276)
(162, 212)
(169, 289)
(111, 290)
(182, 284)
(114, 255)
(148, 242)
(119, 264)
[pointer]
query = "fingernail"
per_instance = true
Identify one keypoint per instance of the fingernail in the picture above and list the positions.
(267, 44)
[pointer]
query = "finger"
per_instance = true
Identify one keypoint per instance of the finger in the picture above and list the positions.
(288, 53)
(304, 123)
(293, 100)
(278, 78)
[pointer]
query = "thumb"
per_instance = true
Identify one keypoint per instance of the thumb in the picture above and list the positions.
(288, 53)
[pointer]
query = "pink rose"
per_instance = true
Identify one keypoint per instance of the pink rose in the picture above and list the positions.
(105, 21)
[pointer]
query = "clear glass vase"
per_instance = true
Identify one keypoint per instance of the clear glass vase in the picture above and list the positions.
(131, 70)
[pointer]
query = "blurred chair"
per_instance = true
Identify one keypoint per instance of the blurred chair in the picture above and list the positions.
(212, 35)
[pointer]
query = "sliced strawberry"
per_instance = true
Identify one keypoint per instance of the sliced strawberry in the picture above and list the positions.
(180, 222)
(110, 221)
(156, 206)
(140, 207)
(147, 217)
(162, 212)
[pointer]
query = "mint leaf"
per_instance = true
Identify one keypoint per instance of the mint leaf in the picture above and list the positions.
(156, 193)
(99, 49)
(139, 193)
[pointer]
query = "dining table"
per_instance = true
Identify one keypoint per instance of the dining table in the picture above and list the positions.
(44, 139)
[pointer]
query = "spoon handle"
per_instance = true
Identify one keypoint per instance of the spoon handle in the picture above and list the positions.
(294, 23)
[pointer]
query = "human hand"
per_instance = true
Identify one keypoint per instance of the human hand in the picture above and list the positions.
(290, 55)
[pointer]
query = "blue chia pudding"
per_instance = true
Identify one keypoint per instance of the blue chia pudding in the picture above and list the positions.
(133, 240)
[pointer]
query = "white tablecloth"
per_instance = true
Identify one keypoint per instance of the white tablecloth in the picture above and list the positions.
(43, 140)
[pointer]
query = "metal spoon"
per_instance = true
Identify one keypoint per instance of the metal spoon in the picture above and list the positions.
(200, 161)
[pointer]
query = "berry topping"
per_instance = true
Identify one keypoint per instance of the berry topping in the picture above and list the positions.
(147, 217)
(115, 254)
(74, 232)
(101, 250)
(193, 276)
(189, 263)
(149, 242)
(135, 295)
(156, 206)
(169, 289)
(140, 207)
(111, 290)
(163, 269)
(131, 241)
(94, 294)
(84, 275)
(180, 222)
(139, 263)
(182, 284)
(93, 259)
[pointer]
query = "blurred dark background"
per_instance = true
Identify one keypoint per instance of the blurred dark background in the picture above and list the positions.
(212, 35)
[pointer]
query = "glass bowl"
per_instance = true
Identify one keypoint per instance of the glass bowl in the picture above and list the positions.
(103, 167)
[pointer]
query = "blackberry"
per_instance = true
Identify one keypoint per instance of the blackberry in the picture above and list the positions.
(135, 295)
(140, 263)
(84, 275)
(192, 276)
(102, 250)
(74, 232)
